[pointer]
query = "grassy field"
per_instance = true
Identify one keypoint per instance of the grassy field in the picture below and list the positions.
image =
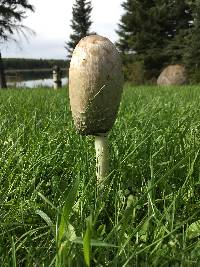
(149, 212)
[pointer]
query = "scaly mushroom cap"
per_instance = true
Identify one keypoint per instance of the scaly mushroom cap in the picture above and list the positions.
(95, 85)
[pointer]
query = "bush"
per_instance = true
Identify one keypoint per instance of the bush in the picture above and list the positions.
(134, 73)
(194, 76)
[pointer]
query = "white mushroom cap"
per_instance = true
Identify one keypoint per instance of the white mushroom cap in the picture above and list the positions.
(95, 84)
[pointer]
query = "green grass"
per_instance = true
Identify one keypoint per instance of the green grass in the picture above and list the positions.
(149, 212)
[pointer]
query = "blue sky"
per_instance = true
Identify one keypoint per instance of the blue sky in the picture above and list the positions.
(51, 23)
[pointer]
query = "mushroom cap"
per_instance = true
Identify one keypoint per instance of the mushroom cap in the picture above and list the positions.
(95, 84)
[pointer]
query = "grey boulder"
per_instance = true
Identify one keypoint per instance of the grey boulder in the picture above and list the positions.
(173, 75)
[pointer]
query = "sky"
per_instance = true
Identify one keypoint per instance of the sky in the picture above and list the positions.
(51, 24)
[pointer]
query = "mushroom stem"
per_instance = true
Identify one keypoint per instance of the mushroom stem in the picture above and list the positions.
(102, 161)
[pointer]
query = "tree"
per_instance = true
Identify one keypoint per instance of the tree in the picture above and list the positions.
(148, 29)
(80, 23)
(192, 51)
(2, 74)
(181, 15)
(12, 13)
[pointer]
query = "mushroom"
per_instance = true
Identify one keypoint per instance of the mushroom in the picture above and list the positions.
(95, 88)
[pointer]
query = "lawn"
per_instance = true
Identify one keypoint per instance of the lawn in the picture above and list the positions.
(149, 211)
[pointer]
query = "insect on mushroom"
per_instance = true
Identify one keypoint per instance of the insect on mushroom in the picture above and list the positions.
(95, 88)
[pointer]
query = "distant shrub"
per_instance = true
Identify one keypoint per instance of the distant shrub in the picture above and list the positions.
(194, 76)
(134, 73)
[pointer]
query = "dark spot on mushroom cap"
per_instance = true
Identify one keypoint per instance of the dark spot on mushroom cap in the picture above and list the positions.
(84, 61)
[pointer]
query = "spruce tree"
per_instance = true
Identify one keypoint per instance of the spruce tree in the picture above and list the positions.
(148, 29)
(80, 23)
(181, 17)
(192, 51)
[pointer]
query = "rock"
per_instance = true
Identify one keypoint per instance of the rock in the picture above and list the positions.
(172, 75)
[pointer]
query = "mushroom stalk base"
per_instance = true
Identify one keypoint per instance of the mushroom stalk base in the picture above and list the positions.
(102, 161)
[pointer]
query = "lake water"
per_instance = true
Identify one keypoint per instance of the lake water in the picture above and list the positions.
(32, 79)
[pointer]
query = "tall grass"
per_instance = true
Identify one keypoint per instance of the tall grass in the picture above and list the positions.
(148, 213)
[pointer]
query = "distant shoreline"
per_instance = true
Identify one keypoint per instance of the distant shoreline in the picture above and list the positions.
(31, 70)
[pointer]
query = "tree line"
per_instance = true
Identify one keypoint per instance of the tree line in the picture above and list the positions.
(24, 63)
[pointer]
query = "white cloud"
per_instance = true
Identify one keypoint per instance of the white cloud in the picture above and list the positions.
(51, 22)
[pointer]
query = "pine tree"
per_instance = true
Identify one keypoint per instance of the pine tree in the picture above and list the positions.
(148, 29)
(80, 23)
(192, 51)
(181, 15)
